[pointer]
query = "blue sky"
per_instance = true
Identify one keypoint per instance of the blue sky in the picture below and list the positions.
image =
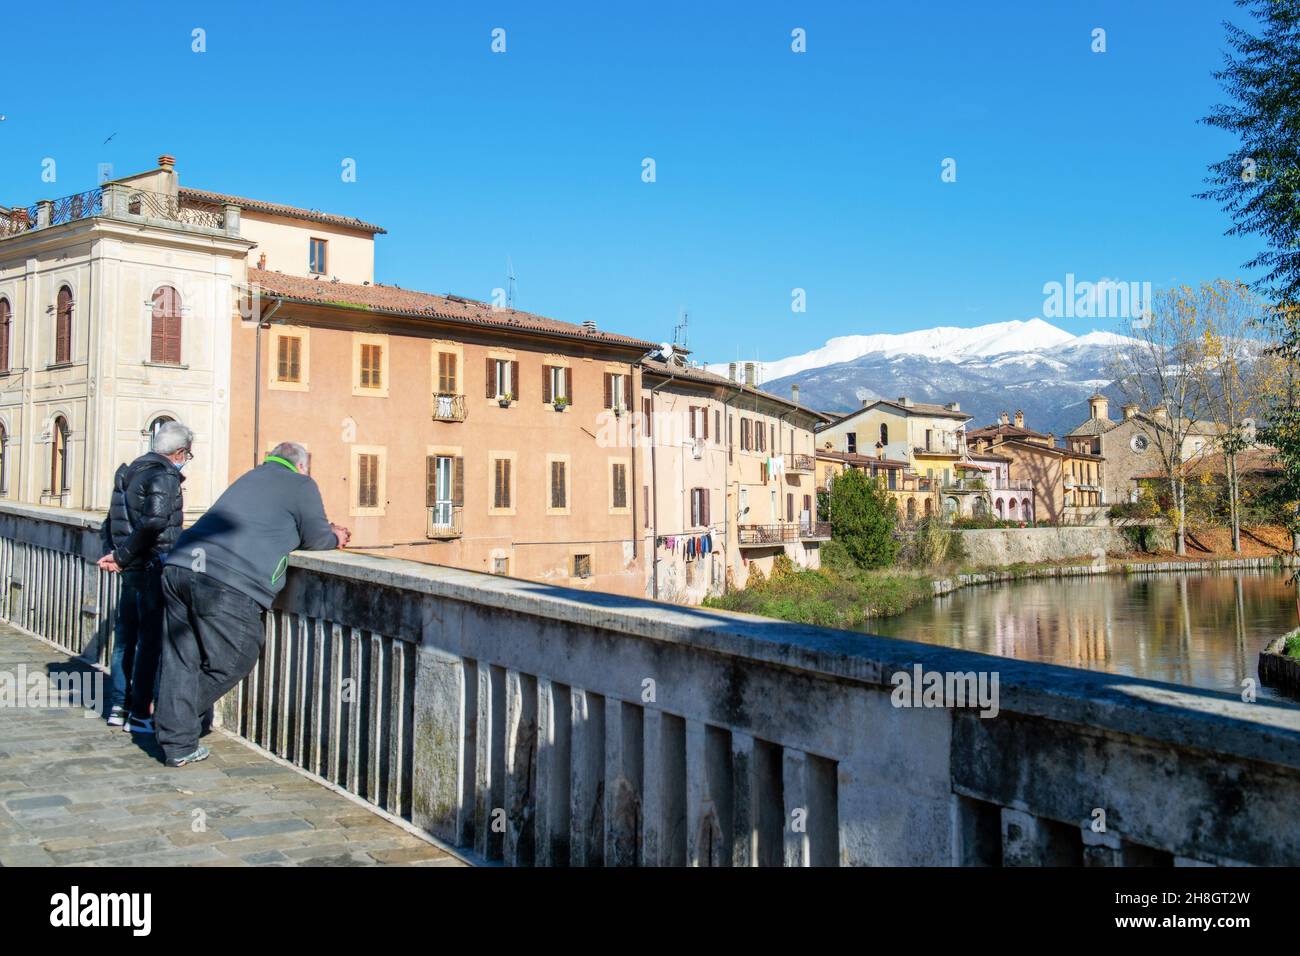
(774, 170)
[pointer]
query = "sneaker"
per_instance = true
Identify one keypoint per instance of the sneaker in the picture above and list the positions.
(200, 754)
(116, 716)
(139, 725)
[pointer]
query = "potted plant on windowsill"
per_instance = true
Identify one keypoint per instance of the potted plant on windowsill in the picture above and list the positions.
(561, 403)
(505, 400)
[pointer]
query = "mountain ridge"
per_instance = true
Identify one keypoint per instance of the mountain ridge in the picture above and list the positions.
(1028, 365)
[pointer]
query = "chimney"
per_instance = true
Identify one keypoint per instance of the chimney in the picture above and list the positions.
(1129, 409)
(1160, 414)
(904, 401)
(794, 394)
(1020, 418)
(1099, 407)
(953, 406)
(731, 371)
(866, 402)
(589, 325)
(261, 261)
(1004, 419)
(749, 373)
(166, 162)
(1051, 439)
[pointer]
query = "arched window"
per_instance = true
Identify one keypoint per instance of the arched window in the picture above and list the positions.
(59, 457)
(929, 507)
(63, 328)
(6, 321)
(1025, 513)
(884, 434)
(165, 342)
(911, 509)
(156, 424)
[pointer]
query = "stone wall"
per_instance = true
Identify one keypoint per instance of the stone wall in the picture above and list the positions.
(998, 547)
(541, 725)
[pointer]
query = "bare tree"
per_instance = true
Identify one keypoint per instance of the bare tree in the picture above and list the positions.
(1156, 366)
(1236, 375)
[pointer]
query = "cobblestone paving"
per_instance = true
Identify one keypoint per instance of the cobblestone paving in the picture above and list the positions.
(74, 791)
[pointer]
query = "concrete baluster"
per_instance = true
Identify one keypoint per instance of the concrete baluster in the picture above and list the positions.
(624, 756)
(553, 748)
(587, 779)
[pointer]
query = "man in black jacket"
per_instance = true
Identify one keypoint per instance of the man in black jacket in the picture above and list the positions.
(223, 574)
(144, 521)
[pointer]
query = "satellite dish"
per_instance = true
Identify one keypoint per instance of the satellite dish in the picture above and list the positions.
(666, 350)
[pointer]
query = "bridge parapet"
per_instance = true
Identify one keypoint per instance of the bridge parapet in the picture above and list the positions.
(541, 725)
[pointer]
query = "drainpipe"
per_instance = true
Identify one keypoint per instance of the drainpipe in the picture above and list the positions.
(262, 323)
(726, 509)
(654, 496)
(631, 417)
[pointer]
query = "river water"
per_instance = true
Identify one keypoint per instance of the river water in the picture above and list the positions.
(1200, 630)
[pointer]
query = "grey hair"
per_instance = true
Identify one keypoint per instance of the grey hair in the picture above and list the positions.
(291, 451)
(172, 437)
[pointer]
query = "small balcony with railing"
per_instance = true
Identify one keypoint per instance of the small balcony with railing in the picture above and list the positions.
(448, 407)
(121, 201)
(802, 463)
(444, 522)
(782, 532)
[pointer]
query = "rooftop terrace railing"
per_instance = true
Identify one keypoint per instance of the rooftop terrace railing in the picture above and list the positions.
(120, 201)
(540, 725)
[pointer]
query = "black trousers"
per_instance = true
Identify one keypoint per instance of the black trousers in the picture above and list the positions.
(214, 635)
(138, 639)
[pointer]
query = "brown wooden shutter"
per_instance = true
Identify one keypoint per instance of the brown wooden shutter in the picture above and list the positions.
(704, 414)
(705, 497)
(568, 384)
(691, 413)
(430, 481)
(546, 384)
(695, 507)
(491, 378)
(458, 482)
(627, 391)
(648, 416)
(5, 317)
(515, 388)
(789, 507)
(609, 390)
(63, 328)
(559, 491)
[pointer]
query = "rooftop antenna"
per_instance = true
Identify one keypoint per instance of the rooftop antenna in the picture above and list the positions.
(680, 329)
(510, 284)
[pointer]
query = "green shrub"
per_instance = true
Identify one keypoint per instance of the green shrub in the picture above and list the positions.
(863, 515)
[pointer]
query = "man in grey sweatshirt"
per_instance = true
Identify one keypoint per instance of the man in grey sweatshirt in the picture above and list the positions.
(220, 576)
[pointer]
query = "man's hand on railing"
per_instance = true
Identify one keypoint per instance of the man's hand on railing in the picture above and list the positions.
(109, 563)
(342, 533)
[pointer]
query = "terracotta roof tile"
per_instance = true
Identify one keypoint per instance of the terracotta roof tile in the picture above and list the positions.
(396, 301)
(279, 209)
(705, 377)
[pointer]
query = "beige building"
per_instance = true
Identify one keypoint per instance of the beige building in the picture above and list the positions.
(1130, 445)
(115, 315)
(730, 468)
(1066, 481)
(929, 437)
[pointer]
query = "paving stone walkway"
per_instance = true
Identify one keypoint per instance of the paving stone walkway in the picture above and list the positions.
(74, 791)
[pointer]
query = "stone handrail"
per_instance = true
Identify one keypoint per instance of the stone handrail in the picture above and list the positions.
(541, 725)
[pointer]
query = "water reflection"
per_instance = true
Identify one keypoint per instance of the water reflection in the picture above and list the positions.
(1201, 630)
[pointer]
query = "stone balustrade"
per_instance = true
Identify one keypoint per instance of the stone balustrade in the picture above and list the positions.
(538, 725)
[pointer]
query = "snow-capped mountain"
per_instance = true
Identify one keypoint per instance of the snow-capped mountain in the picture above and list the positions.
(1030, 365)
